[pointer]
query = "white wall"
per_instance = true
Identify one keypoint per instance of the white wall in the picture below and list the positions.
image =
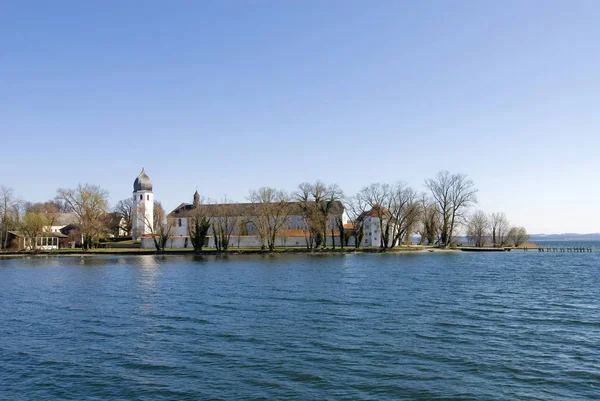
(244, 241)
(143, 213)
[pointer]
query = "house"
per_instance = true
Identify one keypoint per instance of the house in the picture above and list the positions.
(373, 226)
(46, 241)
(60, 221)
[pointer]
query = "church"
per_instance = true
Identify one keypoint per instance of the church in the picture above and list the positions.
(142, 216)
(242, 233)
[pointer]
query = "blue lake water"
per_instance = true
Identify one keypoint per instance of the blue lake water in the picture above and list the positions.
(443, 326)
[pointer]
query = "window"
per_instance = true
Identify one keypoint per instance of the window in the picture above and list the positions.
(141, 197)
(147, 197)
(179, 222)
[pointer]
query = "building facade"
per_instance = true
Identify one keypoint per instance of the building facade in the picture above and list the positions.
(142, 216)
(243, 233)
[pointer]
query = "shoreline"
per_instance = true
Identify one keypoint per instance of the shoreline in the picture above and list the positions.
(303, 251)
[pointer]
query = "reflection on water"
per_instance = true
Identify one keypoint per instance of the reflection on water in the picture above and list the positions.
(147, 272)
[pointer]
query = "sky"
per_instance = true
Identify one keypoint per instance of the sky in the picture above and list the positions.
(228, 96)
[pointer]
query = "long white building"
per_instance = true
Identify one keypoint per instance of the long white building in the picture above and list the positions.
(293, 233)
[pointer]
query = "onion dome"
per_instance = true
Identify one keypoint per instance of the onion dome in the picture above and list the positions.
(142, 182)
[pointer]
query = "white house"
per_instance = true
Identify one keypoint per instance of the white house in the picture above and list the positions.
(61, 221)
(372, 227)
(46, 241)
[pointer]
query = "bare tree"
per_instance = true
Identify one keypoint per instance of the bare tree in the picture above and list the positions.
(379, 199)
(405, 212)
(342, 232)
(429, 224)
(271, 213)
(334, 194)
(124, 209)
(90, 204)
(224, 224)
(161, 228)
(9, 214)
(316, 202)
(430, 220)
(357, 207)
(500, 229)
(518, 236)
(454, 194)
(477, 228)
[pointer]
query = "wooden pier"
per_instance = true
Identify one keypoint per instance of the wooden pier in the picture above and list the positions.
(561, 249)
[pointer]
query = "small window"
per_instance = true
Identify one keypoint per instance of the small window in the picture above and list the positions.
(179, 222)
(141, 197)
(147, 197)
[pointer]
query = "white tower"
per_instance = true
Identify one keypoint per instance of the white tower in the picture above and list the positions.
(142, 219)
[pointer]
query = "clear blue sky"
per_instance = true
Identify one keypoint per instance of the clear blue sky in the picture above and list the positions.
(228, 96)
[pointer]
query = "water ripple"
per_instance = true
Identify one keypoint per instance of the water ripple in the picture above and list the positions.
(358, 327)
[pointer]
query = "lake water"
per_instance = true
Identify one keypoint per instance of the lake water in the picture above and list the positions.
(443, 326)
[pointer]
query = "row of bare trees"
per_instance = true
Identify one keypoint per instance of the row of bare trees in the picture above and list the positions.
(400, 211)
(494, 229)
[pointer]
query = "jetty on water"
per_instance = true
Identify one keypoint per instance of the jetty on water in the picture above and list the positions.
(561, 249)
(526, 249)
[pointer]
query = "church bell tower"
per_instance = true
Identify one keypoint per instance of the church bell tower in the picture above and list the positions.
(142, 219)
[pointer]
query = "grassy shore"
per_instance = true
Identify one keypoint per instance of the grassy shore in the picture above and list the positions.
(231, 251)
(246, 251)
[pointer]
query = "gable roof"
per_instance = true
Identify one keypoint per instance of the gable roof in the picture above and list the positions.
(375, 211)
(64, 219)
(241, 209)
(42, 235)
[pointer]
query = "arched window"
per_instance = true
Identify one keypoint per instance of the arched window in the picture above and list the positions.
(141, 197)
